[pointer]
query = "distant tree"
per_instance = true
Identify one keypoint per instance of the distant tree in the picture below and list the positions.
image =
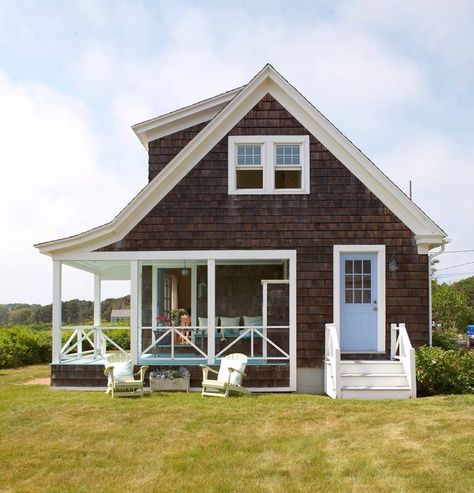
(77, 311)
(466, 285)
(4, 314)
(41, 314)
(21, 316)
(451, 307)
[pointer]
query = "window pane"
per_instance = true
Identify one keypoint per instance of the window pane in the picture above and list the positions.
(249, 154)
(367, 281)
(357, 296)
(348, 296)
(287, 179)
(249, 178)
(349, 282)
(357, 281)
(366, 266)
(288, 154)
(348, 266)
(358, 266)
(366, 295)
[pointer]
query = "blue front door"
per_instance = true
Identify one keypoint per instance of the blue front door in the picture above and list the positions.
(358, 302)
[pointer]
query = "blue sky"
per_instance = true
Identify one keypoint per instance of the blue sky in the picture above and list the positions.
(396, 77)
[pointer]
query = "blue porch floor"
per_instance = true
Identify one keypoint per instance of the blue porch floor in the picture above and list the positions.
(151, 360)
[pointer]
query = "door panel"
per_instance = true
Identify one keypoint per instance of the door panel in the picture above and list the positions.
(358, 301)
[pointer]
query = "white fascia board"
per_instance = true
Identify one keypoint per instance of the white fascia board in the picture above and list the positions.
(186, 117)
(344, 150)
(172, 174)
(266, 81)
(76, 259)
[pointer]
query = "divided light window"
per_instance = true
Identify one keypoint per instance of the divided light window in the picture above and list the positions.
(268, 164)
(288, 167)
(249, 168)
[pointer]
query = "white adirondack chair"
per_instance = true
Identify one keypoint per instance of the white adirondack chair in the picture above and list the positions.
(121, 379)
(229, 377)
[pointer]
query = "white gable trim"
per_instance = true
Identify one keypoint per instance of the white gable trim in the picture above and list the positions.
(266, 81)
(186, 117)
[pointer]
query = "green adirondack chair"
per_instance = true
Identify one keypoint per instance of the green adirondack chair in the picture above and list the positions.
(229, 377)
(121, 379)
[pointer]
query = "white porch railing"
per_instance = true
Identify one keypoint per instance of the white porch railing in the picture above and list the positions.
(332, 360)
(170, 342)
(167, 337)
(402, 350)
(253, 333)
(73, 348)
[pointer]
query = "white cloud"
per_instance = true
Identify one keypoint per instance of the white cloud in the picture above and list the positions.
(350, 74)
(70, 161)
(52, 182)
(442, 172)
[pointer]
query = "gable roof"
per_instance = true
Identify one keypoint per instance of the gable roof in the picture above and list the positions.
(267, 81)
(186, 117)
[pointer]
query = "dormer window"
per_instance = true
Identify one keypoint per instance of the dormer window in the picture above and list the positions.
(274, 164)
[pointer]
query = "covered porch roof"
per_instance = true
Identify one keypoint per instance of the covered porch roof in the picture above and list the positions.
(119, 269)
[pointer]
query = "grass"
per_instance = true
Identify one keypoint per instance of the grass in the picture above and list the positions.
(59, 441)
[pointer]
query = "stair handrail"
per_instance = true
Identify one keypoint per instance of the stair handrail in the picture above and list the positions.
(332, 357)
(402, 350)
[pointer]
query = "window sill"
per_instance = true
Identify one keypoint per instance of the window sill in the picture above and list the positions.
(274, 192)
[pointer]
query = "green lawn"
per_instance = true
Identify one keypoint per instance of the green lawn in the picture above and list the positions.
(64, 441)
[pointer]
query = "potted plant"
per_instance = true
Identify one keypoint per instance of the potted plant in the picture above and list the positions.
(170, 380)
(162, 320)
(176, 314)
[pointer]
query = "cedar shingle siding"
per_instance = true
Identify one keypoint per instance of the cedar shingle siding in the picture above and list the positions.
(199, 214)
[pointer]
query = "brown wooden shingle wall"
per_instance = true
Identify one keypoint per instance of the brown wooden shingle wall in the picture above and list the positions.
(199, 214)
(162, 151)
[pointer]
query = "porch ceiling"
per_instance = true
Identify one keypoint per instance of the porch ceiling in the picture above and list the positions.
(119, 270)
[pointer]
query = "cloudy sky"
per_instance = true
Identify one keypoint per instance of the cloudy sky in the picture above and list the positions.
(396, 77)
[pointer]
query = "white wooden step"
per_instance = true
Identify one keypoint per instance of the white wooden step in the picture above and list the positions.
(371, 366)
(374, 379)
(375, 392)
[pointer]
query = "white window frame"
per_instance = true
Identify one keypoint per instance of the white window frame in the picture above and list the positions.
(268, 153)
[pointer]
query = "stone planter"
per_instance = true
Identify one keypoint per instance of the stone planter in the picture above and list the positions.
(163, 384)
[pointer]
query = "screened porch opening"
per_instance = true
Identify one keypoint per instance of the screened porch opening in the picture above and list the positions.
(250, 305)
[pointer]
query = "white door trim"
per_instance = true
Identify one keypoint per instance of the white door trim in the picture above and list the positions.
(380, 251)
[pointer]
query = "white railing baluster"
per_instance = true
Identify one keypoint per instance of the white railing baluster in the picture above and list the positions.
(332, 362)
(403, 351)
(73, 349)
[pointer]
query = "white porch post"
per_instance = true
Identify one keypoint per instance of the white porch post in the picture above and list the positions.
(194, 295)
(211, 311)
(134, 307)
(57, 308)
(154, 302)
(265, 319)
(99, 341)
(292, 342)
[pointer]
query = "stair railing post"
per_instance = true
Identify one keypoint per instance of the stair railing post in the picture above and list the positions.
(393, 337)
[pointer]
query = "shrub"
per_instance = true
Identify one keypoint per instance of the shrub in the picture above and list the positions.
(445, 339)
(24, 346)
(445, 372)
(120, 337)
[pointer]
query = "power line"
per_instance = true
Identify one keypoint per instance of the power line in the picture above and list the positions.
(459, 251)
(455, 266)
(455, 274)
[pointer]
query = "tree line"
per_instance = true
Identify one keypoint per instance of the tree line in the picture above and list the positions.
(73, 311)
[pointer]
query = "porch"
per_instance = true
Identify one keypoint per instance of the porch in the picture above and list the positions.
(235, 301)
